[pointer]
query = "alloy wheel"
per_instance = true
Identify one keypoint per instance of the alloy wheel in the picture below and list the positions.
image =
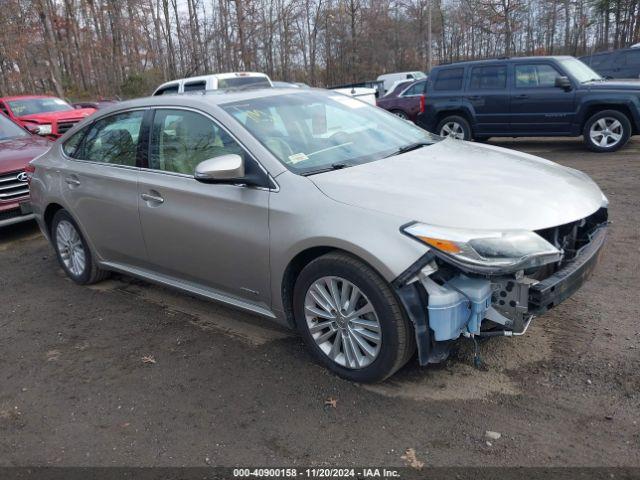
(606, 132)
(452, 129)
(70, 248)
(343, 322)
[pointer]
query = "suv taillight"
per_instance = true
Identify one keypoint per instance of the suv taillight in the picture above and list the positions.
(422, 100)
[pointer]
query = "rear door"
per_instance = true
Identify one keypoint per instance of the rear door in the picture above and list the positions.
(537, 106)
(488, 97)
(100, 185)
(213, 237)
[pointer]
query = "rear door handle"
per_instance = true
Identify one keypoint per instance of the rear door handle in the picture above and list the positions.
(152, 197)
(72, 181)
(474, 97)
(522, 96)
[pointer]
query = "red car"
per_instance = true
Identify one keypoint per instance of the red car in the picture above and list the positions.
(47, 116)
(408, 103)
(17, 148)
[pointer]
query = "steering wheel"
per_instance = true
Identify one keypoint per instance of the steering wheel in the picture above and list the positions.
(278, 145)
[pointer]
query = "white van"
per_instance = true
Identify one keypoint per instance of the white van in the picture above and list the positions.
(214, 82)
(390, 78)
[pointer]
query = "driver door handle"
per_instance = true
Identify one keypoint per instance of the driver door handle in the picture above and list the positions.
(152, 198)
(522, 96)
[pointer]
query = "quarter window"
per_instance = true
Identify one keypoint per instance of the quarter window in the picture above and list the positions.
(490, 77)
(536, 76)
(449, 79)
(415, 89)
(113, 140)
(71, 146)
(181, 139)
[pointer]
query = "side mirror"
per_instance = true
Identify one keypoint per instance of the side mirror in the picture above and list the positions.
(222, 169)
(563, 82)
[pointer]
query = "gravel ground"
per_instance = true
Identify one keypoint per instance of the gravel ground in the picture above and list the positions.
(129, 374)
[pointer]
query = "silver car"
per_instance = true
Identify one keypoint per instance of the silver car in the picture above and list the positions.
(369, 235)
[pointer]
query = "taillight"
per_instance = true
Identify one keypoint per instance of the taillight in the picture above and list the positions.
(422, 100)
(29, 170)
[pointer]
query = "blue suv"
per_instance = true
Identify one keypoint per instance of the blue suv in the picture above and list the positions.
(528, 97)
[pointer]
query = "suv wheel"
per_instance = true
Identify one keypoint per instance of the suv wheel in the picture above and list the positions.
(400, 113)
(73, 252)
(607, 131)
(454, 126)
(351, 320)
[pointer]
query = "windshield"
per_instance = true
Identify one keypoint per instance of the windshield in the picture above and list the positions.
(236, 82)
(317, 130)
(38, 105)
(8, 129)
(579, 70)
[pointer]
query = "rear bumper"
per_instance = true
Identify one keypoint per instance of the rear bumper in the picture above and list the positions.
(556, 288)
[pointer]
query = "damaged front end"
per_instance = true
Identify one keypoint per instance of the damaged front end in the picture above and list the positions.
(475, 283)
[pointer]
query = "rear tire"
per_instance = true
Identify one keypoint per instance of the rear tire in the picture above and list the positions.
(606, 131)
(400, 113)
(454, 126)
(73, 252)
(388, 334)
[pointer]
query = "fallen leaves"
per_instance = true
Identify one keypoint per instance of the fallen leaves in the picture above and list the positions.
(331, 402)
(411, 459)
(148, 359)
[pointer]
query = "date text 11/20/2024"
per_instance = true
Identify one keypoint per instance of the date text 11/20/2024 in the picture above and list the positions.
(316, 473)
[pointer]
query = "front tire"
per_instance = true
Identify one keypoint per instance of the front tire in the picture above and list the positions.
(454, 126)
(351, 320)
(72, 251)
(606, 131)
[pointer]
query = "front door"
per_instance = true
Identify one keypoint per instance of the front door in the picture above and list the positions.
(100, 186)
(213, 237)
(488, 97)
(538, 107)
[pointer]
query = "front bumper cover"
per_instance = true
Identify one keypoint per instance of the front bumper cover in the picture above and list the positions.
(543, 295)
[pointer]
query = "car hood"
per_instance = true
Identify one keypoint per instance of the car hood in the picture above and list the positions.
(15, 153)
(464, 185)
(75, 114)
(616, 84)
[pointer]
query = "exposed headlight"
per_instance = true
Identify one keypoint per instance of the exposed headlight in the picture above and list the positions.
(44, 129)
(486, 251)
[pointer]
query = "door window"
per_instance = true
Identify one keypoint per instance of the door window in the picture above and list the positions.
(113, 139)
(415, 89)
(181, 139)
(449, 79)
(490, 77)
(195, 86)
(536, 76)
(632, 59)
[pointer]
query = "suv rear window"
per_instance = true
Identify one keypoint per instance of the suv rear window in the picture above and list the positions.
(195, 86)
(493, 76)
(449, 79)
(168, 90)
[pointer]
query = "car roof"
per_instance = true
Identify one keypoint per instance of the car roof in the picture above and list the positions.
(25, 97)
(209, 97)
(503, 59)
(612, 52)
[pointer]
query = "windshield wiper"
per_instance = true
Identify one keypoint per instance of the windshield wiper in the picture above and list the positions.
(333, 166)
(409, 148)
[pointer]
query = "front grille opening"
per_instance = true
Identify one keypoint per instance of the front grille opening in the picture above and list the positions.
(11, 188)
(571, 237)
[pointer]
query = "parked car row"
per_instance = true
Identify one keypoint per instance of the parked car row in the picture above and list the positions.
(522, 97)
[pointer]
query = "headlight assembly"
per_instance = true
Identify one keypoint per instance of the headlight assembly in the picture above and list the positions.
(485, 251)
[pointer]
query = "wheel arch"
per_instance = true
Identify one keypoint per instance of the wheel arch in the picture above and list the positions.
(49, 213)
(623, 108)
(297, 264)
